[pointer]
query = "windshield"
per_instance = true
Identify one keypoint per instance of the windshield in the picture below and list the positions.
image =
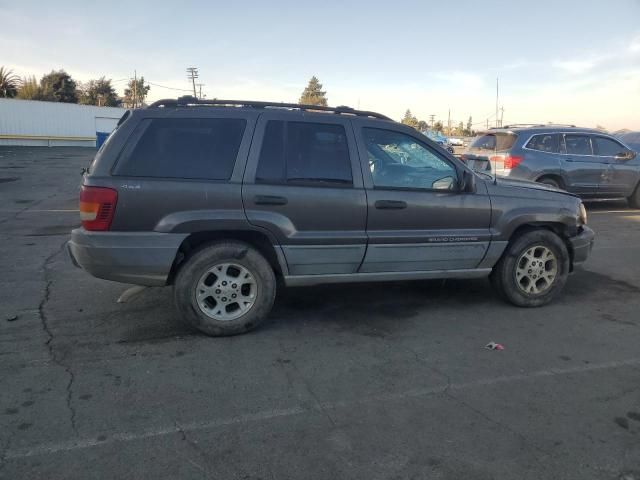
(495, 142)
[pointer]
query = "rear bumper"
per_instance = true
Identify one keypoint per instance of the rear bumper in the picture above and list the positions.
(140, 258)
(582, 244)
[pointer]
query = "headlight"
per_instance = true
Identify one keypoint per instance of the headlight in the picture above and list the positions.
(582, 216)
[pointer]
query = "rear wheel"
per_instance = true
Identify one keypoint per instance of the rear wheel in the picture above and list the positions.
(552, 182)
(533, 270)
(634, 199)
(225, 289)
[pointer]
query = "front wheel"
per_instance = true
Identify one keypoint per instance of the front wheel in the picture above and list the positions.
(533, 270)
(225, 289)
(634, 199)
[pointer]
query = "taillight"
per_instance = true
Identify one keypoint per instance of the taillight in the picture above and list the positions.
(97, 207)
(508, 161)
(512, 161)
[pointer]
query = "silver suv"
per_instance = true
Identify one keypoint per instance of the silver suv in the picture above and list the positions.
(586, 162)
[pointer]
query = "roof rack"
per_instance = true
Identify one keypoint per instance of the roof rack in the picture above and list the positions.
(190, 101)
(524, 125)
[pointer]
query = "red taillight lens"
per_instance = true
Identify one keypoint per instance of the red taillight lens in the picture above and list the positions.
(508, 161)
(512, 161)
(97, 207)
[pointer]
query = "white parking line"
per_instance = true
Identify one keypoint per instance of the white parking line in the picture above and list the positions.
(83, 443)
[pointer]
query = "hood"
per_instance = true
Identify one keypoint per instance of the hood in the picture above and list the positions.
(510, 182)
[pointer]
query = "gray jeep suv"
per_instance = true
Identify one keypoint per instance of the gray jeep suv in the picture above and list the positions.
(583, 161)
(225, 199)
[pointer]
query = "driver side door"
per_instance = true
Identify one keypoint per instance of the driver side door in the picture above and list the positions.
(417, 219)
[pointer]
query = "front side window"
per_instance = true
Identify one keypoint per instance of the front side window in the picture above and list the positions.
(578, 145)
(608, 147)
(302, 152)
(192, 148)
(398, 160)
(547, 142)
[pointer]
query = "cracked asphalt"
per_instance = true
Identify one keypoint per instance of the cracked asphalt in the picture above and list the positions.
(344, 381)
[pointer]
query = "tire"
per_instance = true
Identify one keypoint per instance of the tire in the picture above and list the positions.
(550, 181)
(634, 199)
(212, 310)
(548, 274)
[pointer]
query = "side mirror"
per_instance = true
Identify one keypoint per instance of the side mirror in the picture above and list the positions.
(626, 155)
(467, 182)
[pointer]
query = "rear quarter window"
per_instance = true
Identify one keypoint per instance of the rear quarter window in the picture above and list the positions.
(495, 142)
(190, 148)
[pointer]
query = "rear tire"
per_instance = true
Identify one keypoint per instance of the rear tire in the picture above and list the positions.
(550, 181)
(225, 289)
(634, 199)
(533, 270)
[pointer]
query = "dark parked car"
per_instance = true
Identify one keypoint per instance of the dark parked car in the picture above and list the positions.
(224, 199)
(586, 162)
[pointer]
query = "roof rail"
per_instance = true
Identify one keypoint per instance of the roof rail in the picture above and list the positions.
(524, 125)
(190, 101)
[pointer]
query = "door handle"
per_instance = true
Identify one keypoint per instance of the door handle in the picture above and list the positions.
(390, 204)
(269, 200)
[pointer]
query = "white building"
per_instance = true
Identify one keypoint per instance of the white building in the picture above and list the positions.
(34, 123)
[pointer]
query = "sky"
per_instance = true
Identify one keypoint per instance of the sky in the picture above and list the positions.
(574, 62)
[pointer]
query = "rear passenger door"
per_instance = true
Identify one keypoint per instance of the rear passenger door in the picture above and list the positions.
(303, 183)
(585, 170)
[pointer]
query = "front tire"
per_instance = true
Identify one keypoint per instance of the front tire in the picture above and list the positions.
(533, 270)
(225, 288)
(634, 199)
(550, 181)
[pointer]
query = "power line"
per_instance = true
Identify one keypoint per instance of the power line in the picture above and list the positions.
(169, 88)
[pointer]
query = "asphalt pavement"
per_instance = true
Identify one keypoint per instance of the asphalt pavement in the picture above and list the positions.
(378, 381)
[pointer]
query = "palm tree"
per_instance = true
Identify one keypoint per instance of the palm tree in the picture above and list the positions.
(8, 83)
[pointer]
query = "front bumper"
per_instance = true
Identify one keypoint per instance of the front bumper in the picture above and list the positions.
(140, 258)
(582, 244)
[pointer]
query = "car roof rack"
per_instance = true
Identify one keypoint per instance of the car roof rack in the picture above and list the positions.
(190, 101)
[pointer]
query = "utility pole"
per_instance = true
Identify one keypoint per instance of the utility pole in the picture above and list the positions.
(200, 85)
(431, 119)
(135, 88)
(449, 123)
(497, 102)
(487, 124)
(192, 73)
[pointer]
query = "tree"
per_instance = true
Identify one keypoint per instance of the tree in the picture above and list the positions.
(9, 83)
(438, 127)
(98, 92)
(410, 119)
(30, 89)
(423, 126)
(313, 94)
(469, 126)
(601, 128)
(58, 86)
(135, 93)
(460, 129)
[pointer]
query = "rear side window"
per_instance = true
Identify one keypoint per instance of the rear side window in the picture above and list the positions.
(578, 145)
(496, 142)
(301, 152)
(608, 147)
(547, 142)
(195, 148)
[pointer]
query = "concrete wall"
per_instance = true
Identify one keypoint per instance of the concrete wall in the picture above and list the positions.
(33, 123)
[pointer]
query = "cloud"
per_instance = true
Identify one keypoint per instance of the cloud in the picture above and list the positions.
(575, 67)
(467, 80)
(634, 46)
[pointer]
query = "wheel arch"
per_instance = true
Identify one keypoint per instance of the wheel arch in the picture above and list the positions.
(255, 238)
